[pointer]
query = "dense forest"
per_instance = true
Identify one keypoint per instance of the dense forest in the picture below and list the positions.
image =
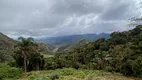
(122, 53)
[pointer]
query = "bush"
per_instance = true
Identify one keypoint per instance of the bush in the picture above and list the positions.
(50, 63)
(80, 74)
(34, 77)
(54, 76)
(9, 72)
(12, 63)
(109, 68)
(133, 67)
(67, 71)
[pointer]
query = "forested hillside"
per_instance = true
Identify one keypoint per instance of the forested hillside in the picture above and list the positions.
(6, 47)
(62, 43)
(70, 45)
(121, 53)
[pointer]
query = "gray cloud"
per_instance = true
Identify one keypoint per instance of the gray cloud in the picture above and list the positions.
(65, 17)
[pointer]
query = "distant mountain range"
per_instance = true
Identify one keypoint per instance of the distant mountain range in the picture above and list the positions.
(59, 40)
(61, 43)
(52, 44)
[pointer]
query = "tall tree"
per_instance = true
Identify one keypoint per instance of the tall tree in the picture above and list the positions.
(26, 46)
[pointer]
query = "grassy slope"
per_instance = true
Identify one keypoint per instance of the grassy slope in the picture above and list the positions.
(72, 74)
(76, 43)
(6, 47)
(6, 42)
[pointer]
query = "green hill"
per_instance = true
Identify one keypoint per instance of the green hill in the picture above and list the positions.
(6, 47)
(122, 52)
(6, 42)
(44, 48)
(77, 43)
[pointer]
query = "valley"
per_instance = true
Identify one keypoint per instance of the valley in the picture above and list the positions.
(115, 58)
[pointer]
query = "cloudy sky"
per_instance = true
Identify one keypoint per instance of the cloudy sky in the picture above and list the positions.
(65, 17)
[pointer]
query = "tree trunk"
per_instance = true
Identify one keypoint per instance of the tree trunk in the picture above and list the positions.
(25, 65)
(25, 69)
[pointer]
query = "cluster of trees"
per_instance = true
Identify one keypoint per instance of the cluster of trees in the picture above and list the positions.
(27, 56)
(121, 53)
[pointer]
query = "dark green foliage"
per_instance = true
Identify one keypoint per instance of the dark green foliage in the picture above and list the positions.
(133, 66)
(35, 61)
(118, 38)
(137, 30)
(50, 63)
(27, 56)
(121, 53)
(19, 59)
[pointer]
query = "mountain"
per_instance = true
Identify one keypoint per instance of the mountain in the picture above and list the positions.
(122, 52)
(6, 47)
(59, 40)
(44, 48)
(76, 43)
(6, 42)
(62, 43)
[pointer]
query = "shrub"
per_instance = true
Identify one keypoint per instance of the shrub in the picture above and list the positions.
(9, 72)
(50, 63)
(133, 67)
(54, 76)
(67, 71)
(12, 63)
(80, 74)
(109, 68)
(34, 77)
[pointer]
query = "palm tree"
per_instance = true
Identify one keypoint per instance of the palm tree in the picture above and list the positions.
(26, 46)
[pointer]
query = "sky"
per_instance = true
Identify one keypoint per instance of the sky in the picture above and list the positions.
(39, 18)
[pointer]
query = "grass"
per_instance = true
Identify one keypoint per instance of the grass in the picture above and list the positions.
(47, 56)
(72, 74)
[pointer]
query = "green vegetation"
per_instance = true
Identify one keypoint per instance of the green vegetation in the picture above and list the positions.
(6, 47)
(73, 74)
(121, 53)
(27, 55)
(10, 73)
(77, 43)
(97, 60)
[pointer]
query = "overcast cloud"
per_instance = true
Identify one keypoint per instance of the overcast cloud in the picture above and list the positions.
(65, 17)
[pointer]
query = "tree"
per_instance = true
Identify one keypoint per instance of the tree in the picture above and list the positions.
(26, 46)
